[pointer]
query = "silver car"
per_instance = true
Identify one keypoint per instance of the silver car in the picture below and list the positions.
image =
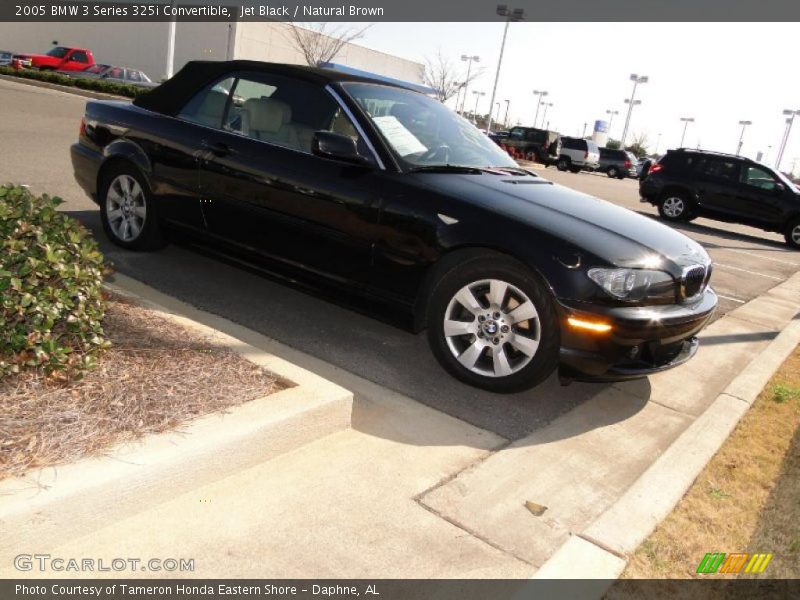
(113, 74)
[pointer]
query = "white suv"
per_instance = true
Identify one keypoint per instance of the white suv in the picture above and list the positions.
(578, 155)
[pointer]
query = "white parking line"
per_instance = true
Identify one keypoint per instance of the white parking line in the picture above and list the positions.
(716, 264)
(777, 260)
(732, 299)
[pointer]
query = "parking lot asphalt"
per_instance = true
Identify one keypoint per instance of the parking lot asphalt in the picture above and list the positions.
(38, 125)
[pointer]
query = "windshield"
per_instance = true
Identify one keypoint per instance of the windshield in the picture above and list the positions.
(57, 52)
(423, 132)
(787, 182)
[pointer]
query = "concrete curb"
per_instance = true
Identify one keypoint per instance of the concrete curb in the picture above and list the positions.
(207, 449)
(63, 88)
(602, 548)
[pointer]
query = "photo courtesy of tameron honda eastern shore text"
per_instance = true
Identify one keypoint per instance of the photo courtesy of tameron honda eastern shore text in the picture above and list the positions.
(350, 183)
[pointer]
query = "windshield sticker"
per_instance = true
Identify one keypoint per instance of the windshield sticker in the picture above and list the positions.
(399, 137)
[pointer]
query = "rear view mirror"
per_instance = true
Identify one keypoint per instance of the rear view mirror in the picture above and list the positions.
(336, 147)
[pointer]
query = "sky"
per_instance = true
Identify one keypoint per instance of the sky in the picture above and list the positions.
(717, 73)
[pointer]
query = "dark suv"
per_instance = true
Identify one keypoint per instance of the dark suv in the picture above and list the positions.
(689, 183)
(539, 145)
(618, 163)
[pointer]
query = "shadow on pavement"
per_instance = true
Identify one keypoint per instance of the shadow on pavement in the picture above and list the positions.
(343, 336)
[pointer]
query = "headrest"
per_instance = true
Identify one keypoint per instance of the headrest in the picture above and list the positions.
(213, 104)
(266, 114)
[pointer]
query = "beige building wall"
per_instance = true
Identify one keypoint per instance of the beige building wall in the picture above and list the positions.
(144, 45)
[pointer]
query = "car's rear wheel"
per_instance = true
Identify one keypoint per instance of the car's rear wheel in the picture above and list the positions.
(792, 233)
(127, 210)
(563, 164)
(674, 206)
(493, 325)
(575, 169)
(612, 172)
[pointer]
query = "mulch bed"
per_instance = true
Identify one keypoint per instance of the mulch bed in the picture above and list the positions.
(154, 377)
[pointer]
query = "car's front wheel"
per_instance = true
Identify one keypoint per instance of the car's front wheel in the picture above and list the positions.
(612, 172)
(127, 210)
(792, 233)
(563, 164)
(493, 325)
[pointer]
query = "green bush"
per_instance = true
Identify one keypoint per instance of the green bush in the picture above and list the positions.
(51, 273)
(96, 85)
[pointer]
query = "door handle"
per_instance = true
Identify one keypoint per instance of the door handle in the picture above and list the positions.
(217, 148)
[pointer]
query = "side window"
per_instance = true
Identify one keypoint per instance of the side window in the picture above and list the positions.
(133, 75)
(720, 169)
(116, 73)
(516, 133)
(758, 177)
(208, 106)
(79, 56)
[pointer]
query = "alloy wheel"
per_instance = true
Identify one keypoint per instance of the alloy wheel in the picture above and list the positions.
(673, 207)
(492, 328)
(126, 208)
(796, 234)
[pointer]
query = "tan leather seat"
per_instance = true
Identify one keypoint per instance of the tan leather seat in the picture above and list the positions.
(270, 120)
(210, 110)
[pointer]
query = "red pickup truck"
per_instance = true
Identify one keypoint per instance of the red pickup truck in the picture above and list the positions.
(59, 58)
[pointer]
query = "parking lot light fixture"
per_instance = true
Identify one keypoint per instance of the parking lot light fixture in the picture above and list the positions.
(511, 14)
(686, 121)
(611, 114)
(539, 93)
(631, 102)
(744, 125)
(790, 115)
(469, 59)
(477, 95)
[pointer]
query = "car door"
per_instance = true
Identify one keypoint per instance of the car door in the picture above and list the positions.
(266, 194)
(760, 195)
(717, 183)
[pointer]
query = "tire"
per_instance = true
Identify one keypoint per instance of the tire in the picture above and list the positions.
(503, 344)
(612, 172)
(575, 170)
(674, 206)
(792, 233)
(124, 198)
(563, 164)
(530, 155)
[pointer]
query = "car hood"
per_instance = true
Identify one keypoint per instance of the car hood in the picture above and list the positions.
(620, 236)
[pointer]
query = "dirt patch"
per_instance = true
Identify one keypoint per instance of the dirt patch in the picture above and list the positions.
(745, 500)
(154, 377)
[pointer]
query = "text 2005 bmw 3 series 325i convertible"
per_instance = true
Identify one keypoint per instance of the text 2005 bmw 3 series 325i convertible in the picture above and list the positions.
(359, 184)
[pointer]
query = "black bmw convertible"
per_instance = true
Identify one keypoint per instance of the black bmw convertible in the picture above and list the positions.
(351, 183)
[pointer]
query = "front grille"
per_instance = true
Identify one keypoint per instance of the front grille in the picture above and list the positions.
(695, 280)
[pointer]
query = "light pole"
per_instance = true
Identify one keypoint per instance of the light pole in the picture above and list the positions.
(170, 67)
(611, 119)
(636, 79)
(497, 120)
(513, 14)
(477, 95)
(505, 119)
(658, 143)
(458, 95)
(539, 93)
(686, 121)
(469, 60)
(744, 125)
(546, 106)
(790, 114)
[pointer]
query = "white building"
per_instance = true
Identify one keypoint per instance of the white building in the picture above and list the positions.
(144, 45)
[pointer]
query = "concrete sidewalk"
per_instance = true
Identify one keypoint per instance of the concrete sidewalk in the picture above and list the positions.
(410, 492)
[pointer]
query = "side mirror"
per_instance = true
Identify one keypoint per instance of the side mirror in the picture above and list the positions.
(336, 147)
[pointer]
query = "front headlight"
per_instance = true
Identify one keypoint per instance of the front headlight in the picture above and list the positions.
(633, 285)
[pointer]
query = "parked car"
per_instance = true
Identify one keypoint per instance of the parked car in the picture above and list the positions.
(539, 145)
(498, 137)
(59, 58)
(686, 184)
(578, 155)
(364, 186)
(618, 163)
(113, 75)
(5, 58)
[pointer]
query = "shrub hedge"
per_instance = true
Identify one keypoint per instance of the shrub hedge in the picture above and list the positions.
(95, 85)
(51, 302)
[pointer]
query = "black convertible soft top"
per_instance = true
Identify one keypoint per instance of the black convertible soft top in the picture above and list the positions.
(172, 95)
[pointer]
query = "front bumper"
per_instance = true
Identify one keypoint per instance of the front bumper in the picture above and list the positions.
(642, 340)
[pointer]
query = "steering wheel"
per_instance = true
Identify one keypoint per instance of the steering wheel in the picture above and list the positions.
(444, 149)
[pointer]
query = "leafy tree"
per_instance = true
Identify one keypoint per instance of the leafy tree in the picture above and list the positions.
(613, 144)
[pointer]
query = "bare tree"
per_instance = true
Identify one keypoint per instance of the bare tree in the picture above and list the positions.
(440, 75)
(321, 42)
